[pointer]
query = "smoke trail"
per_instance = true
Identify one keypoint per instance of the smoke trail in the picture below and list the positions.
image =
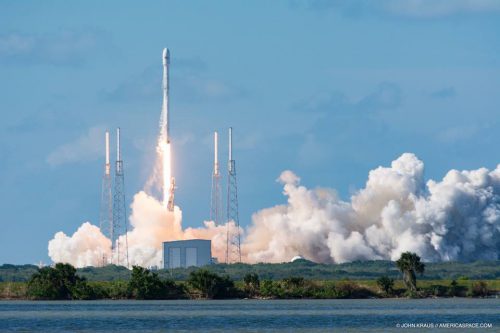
(457, 218)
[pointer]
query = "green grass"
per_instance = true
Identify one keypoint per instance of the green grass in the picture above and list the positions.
(13, 290)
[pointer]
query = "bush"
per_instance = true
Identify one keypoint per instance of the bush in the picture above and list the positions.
(293, 287)
(210, 285)
(144, 284)
(435, 290)
(454, 289)
(293, 282)
(346, 289)
(59, 283)
(386, 285)
(272, 289)
(117, 290)
(479, 289)
(252, 284)
(326, 290)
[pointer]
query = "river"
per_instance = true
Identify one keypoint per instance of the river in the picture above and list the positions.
(372, 315)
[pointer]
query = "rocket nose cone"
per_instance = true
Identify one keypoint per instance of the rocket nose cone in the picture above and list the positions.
(166, 56)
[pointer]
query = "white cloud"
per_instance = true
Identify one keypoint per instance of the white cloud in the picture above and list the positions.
(87, 147)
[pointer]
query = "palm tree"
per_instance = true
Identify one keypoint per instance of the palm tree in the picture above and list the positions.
(409, 264)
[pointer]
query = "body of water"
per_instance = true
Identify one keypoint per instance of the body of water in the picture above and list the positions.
(373, 315)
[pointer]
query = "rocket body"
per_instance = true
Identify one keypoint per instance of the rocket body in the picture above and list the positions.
(165, 126)
(168, 180)
(216, 154)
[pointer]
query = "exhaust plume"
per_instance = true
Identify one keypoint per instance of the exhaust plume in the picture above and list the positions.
(457, 218)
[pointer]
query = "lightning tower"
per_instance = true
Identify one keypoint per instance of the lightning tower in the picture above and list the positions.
(120, 251)
(106, 213)
(216, 194)
(233, 245)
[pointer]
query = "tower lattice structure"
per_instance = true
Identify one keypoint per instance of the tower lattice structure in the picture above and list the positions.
(216, 213)
(106, 209)
(119, 249)
(233, 239)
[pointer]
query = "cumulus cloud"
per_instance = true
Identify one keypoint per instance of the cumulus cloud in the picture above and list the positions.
(86, 147)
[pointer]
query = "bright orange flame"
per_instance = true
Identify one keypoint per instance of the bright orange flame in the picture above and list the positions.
(166, 168)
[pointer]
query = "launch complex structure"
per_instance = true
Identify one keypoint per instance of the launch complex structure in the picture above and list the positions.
(233, 249)
(113, 217)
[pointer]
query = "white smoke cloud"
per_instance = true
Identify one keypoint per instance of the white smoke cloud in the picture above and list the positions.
(457, 218)
(152, 224)
(86, 247)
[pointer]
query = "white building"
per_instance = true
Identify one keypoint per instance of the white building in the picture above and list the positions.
(187, 253)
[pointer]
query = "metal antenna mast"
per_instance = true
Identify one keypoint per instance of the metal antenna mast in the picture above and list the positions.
(233, 245)
(216, 196)
(106, 213)
(119, 209)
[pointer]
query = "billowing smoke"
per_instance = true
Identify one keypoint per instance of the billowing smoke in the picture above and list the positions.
(87, 247)
(151, 225)
(457, 218)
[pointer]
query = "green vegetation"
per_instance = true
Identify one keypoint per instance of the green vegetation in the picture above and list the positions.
(147, 285)
(479, 289)
(454, 289)
(409, 264)
(252, 284)
(60, 282)
(386, 285)
(358, 270)
(65, 282)
(206, 284)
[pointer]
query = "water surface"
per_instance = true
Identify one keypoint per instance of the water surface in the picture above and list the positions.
(373, 315)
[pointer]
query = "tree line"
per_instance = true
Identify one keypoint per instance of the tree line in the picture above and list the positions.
(61, 282)
(357, 270)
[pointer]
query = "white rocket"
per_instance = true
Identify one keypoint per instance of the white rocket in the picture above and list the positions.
(168, 194)
(165, 126)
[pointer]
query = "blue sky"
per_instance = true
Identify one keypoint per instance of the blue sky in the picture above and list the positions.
(328, 89)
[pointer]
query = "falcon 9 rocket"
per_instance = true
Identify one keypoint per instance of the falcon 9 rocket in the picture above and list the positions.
(168, 180)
